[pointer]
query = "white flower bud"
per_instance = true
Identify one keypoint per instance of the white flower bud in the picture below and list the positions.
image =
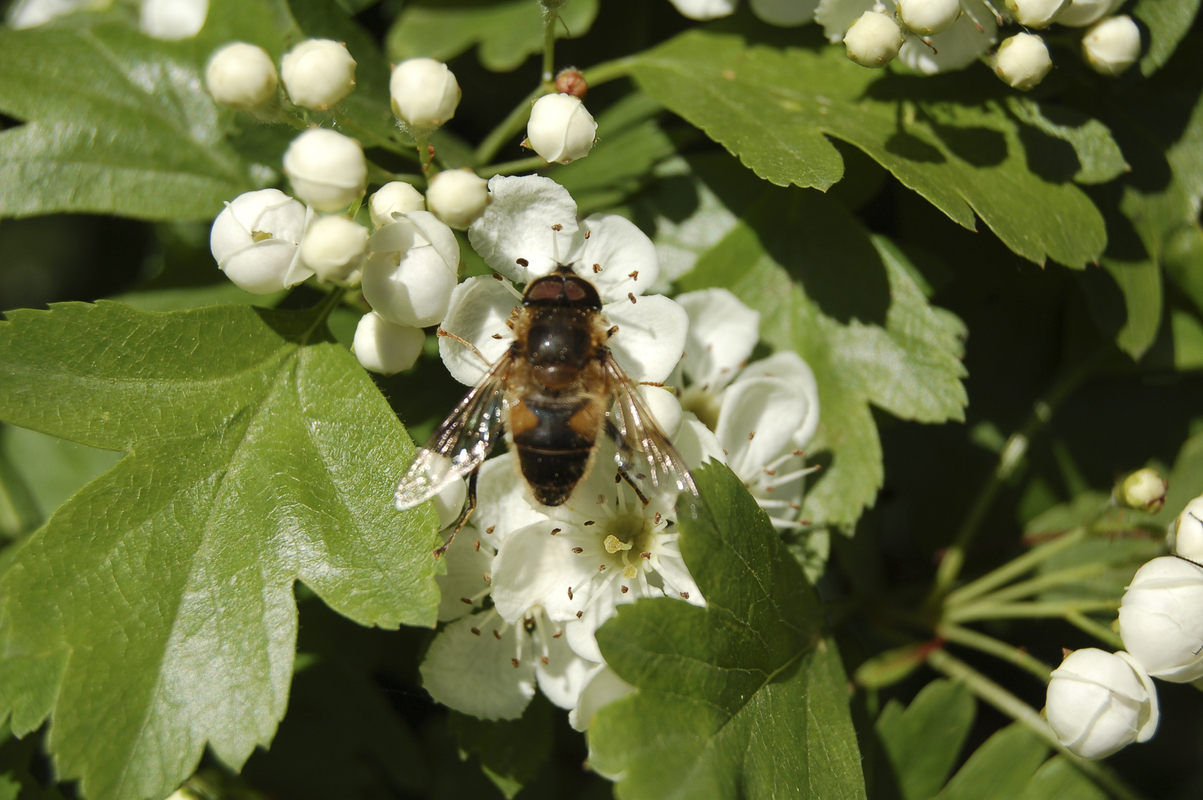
(424, 93)
(1186, 534)
(1099, 703)
(1036, 13)
(256, 239)
(926, 17)
(241, 75)
(873, 40)
(327, 169)
(317, 73)
(1161, 619)
(1080, 13)
(1022, 61)
(384, 347)
(1143, 490)
(458, 197)
(1112, 45)
(171, 20)
(31, 13)
(411, 270)
(335, 248)
(396, 197)
(560, 128)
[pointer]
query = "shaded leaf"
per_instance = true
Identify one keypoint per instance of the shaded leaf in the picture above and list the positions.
(923, 740)
(742, 698)
(1000, 768)
(53, 469)
(1059, 779)
(157, 604)
(1098, 156)
(1168, 22)
(511, 752)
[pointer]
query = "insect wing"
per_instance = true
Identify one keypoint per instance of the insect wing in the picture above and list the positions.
(644, 454)
(461, 443)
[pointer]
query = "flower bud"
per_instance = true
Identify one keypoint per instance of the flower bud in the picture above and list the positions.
(424, 93)
(396, 197)
(1022, 61)
(317, 73)
(1036, 13)
(171, 20)
(873, 40)
(1186, 534)
(384, 347)
(1143, 490)
(1099, 703)
(241, 75)
(1080, 13)
(560, 128)
(327, 169)
(1161, 619)
(1112, 45)
(458, 197)
(926, 17)
(255, 241)
(571, 81)
(335, 248)
(411, 269)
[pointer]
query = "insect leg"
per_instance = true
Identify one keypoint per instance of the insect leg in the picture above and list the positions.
(469, 507)
(465, 343)
(612, 432)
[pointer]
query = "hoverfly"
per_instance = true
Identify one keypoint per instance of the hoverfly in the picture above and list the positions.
(550, 392)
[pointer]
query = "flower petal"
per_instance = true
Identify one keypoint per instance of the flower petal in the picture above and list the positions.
(758, 421)
(465, 578)
(837, 16)
(535, 568)
(503, 501)
(440, 236)
(789, 365)
(521, 223)
(650, 338)
(477, 313)
(705, 9)
(563, 676)
(722, 333)
(617, 257)
(475, 674)
(697, 444)
(785, 13)
(602, 687)
(956, 48)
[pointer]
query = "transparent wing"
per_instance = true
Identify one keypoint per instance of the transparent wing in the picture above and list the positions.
(644, 455)
(461, 443)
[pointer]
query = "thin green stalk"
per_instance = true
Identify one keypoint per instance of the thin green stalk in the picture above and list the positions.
(990, 692)
(609, 70)
(426, 157)
(550, 18)
(1051, 580)
(1014, 568)
(509, 127)
(1100, 632)
(370, 137)
(988, 610)
(995, 647)
(511, 167)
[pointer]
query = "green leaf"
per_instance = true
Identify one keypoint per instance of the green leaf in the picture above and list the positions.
(1059, 779)
(740, 699)
(52, 469)
(923, 741)
(1168, 22)
(1140, 284)
(508, 32)
(117, 122)
(511, 751)
(1098, 156)
(848, 304)
(1188, 341)
(948, 140)
(156, 604)
(1000, 768)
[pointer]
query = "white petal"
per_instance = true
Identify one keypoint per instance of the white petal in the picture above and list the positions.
(618, 258)
(475, 674)
(837, 16)
(581, 634)
(477, 313)
(705, 9)
(650, 338)
(958, 47)
(678, 582)
(519, 223)
(450, 501)
(722, 333)
(535, 568)
(757, 422)
(785, 13)
(665, 408)
(565, 673)
(465, 578)
(440, 236)
(789, 365)
(697, 444)
(502, 500)
(602, 687)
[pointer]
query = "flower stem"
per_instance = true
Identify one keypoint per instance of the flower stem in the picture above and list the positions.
(1017, 591)
(995, 647)
(1014, 568)
(1100, 632)
(509, 127)
(550, 18)
(510, 167)
(609, 70)
(426, 157)
(990, 692)
(989, 610)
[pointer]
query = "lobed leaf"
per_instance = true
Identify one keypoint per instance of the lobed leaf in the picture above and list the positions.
(923, 740)
(1168, 22)
(1000, 768)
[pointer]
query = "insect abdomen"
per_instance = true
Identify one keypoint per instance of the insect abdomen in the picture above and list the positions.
(554, 440)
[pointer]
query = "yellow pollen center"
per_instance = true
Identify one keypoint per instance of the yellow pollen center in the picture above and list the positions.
(613, 544)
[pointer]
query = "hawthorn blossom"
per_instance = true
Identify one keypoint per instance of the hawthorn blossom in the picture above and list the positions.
(783, 13)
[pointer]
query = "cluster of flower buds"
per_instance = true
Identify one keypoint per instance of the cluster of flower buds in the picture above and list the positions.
(317, 74)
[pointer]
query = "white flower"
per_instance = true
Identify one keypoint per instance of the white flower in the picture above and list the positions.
(956, 48)
(561, 130)
(317, 73)
(1080, 13)
(1161, 619)
(256, 239)
(1099, 703)
(602, 687)
(424, 93)
(1186, 534)
(1036, 13)
(335, 249)
(395, 197)
(241, 75)
(411, 270)
(1112, 45)
(705, 9)
(31, 13)
(1144, 490)
(458, 197)
(327, 169)
(171, 20)
(529, 228)
(873, 40)
(926, 17)
(1022, 61)
(386, 348)
(784, 13)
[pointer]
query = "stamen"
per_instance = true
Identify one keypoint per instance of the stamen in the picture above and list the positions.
(587, 233)
(522, 262)
(589, 522)
(490, 529)
(631, 297)
(557, 227)
(633, 275)
(613, 544)
(515, 662)
(578, 550)
(554, 531)
(496, 635)
(475, 631)
(544, 660)
(601, 499)
(478, 545)
(596, 268)
(625, 590)
(684, 595)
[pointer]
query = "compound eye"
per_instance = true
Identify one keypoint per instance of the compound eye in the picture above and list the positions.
(544, 289)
